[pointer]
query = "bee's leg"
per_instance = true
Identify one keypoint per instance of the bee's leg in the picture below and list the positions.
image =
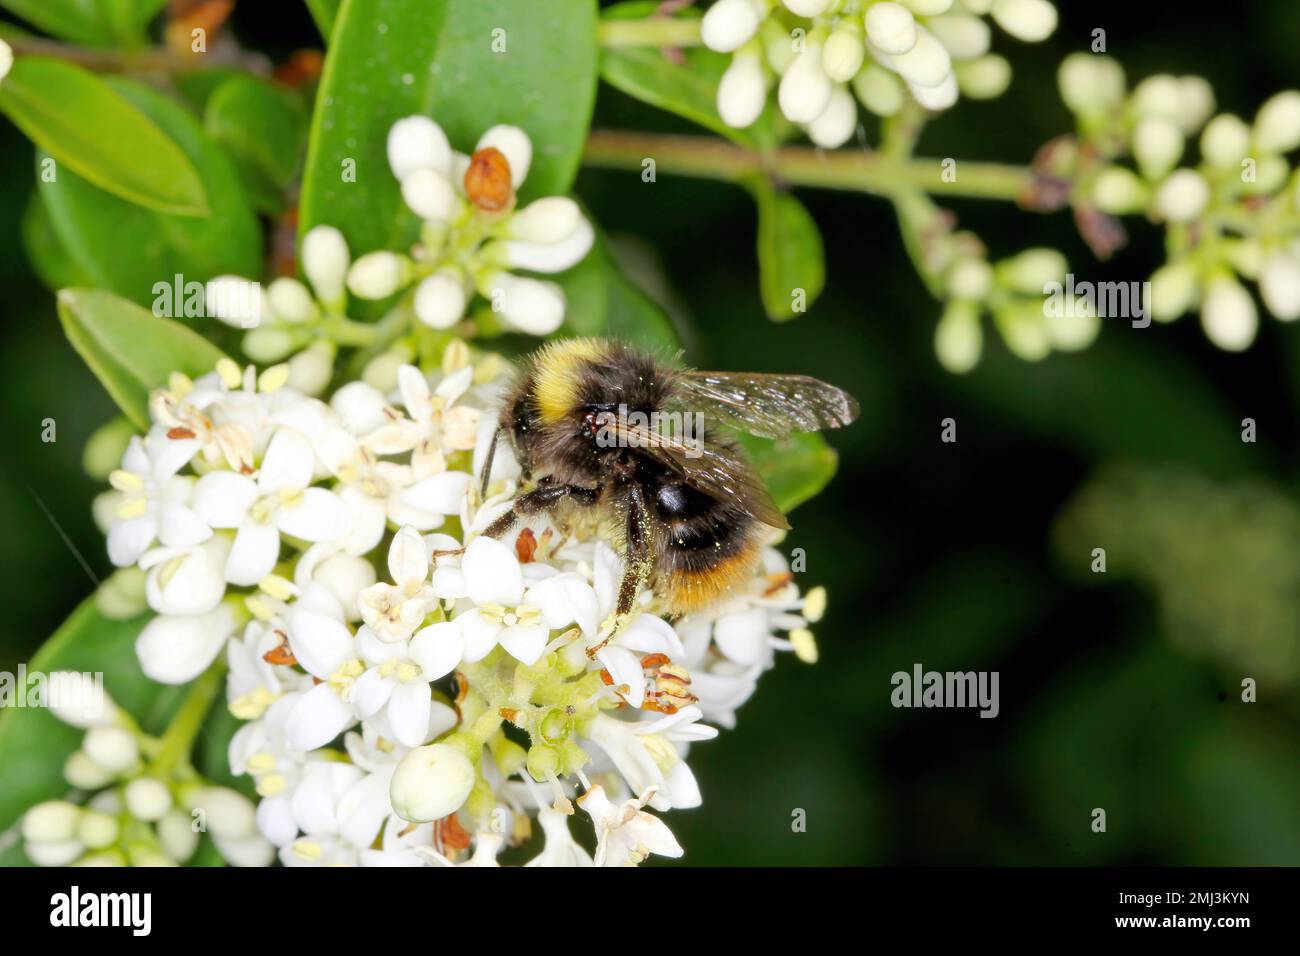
(543, 498)
(637, 560)
(487, 462)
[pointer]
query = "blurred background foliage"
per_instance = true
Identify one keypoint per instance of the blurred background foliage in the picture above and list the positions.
(1119, 690)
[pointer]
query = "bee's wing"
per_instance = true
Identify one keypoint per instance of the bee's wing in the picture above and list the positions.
(771, 406)
(716, 470)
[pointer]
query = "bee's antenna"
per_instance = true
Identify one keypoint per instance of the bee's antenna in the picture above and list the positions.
(487, 463)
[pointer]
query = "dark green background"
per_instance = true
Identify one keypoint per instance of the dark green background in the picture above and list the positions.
(1119, 691)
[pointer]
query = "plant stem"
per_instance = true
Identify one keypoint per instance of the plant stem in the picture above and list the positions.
(176, 743)
(874, 173)
(146, 60)
(652, 32)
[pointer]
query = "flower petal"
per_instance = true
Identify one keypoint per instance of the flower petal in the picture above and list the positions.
(222, 498)
(408, 712)
(320, 516)
(441, 494)
(254, 553)
(438, 649)
(320, 643)
(288, 463)
(524, 643)
(492, 573)
(317, 718)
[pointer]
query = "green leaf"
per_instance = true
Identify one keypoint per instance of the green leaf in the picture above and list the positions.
(324, 12)
(688, 89)
(49, 260)
(95, 131)
(791, 264)
(75, 20)
(263, 127)
(393, 58)
(34, 743)
(794, 469)
(130, 350)
(128, 249)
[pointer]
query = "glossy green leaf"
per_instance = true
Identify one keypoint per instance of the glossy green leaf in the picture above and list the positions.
(49, 259)
(34, 743)
(469, 64)
(126, 248)
(689, 88)
(794, 469)
(130, 350)
(263, 127)
(324, 12)
(89, 127)
(791, 262)
(80, 21)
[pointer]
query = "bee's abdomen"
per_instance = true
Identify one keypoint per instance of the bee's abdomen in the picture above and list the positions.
(705, 547)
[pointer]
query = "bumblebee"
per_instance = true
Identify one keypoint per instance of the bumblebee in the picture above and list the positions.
(586, 420)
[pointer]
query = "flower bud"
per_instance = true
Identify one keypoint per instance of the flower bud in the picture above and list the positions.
(431, 782)
(113, 748)
(440, 299)
(253, 850)
(1090, 84)
(147, 798)
(1160, 95)
(175, 648)
(1225, 141)
(429, 194)
(310, 370)
(891, 28)
(83, 773)
(6, 59)
(105, 448)
(324, 260)
(879, 90)
(1277, 124)
(53, 821)
(958, 338)
(377, 275)
(1028, 20)
(936, 97)
(546, 220)
(234, 300)
(929, 8)
(1198, 102)
(984, 78)
(926, 64)
(122, 595)
(1119, 191)
(742, 91)
(267, 345)
(1173, 291)
(228, 813)
(97, 830)
(843, 54)
(1228, 314)
(807, 8)
(80, 701)
(963, 36)
(1075, 328)
(528, 305)
(1157, 146)
(417, 142)
(381, 371)
(805, 89)
(1022, 328)
(1270, 173)
(1279, 285)
(345, 576)
(1183, 196)
(177, 835)
(290, 301)
(838, 121)
(970, 279)
(1031, 270)
(728, 24)
(978, 7)
(64, 853)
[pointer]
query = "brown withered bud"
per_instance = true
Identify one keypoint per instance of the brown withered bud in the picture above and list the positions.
(487, 180)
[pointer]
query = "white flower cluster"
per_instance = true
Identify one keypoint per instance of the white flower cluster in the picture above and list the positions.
(260, 515)
(821, 53)
(1233, 214)
(472, 235)
(138, 812)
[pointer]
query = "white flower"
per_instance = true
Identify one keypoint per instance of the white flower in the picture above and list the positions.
(325, 648)
(186, 580)
(396, 681)
(279, 502)
(155, 501)
(560, 848)
(175, 649)
(394, 611)
(626, 834)
(503, 613)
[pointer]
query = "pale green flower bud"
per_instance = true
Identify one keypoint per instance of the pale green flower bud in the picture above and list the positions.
(1225, 141)
(53, 821)
(1029, 271)
(310, 370)
(891, 27)
(325, 261)
(984, 78)
(964, 37)
(1277, 124)
(113, 748)
(290, 301)
(838, 121)
(1090, 84)
(377, 275)
(1119, 191)
(1198, 102)
(268, 345)
(1174, 288)
(742, 91)
(1028, 20)
(1279, 285)
(970, 279)
(6, 59)
(1228, 314)
(1160, 96)
(147, 798)
(728, 24)
(1022, 328)
(107, 445)
(1183, 196)
(430, 783)
(843, 54)
(1157, 146)
(83, 773)
(879, 91)
(177, 835)
(97, 830)
(958, 338)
